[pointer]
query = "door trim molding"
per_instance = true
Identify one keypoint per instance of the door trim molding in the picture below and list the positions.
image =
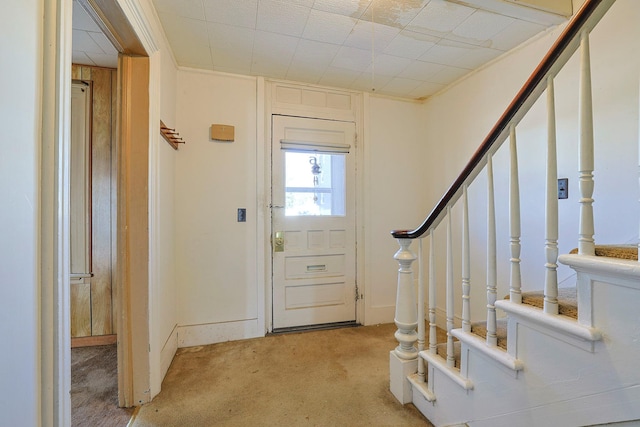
(137, 20)
(137, 23)
(263, 214)
(53, 245)
(133, 235)
(112, 19)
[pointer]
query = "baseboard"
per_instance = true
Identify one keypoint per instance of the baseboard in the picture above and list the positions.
(441, 319)
(379, 315)
(211, 333)
(168, 351)
(92, 341)
(608, 408)
(386, 314)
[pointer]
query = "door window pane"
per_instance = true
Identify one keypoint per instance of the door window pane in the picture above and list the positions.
(314, 184)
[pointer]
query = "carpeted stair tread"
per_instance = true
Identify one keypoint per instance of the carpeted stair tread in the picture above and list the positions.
(480, 328)
(567, 301)
(615, 251)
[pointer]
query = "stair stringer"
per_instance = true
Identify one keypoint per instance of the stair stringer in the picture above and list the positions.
(568, 379)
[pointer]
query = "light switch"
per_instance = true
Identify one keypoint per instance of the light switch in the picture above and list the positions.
(563, 188)
(242, 215)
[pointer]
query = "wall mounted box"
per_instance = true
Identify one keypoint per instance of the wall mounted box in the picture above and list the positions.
(222, 132)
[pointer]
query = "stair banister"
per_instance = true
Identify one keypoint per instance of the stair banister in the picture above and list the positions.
(449, 295)
(406, 317)
(492, 260)
(466, 264)
(433, 339)
(586, 245)
(551, 206)
(573, 36)
(562, 50)
(421, 326)
(515, 283)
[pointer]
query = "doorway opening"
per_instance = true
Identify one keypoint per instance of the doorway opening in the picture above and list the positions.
(92, 209)
(92, 216)
(109, 197)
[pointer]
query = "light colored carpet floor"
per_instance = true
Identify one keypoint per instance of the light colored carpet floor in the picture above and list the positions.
(334, 377)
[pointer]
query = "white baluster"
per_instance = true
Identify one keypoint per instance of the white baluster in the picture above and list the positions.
(515, 292)
(466, 274)
(492, 338)
(450, 355)
(586, 245)
(433, 338)
(551, 245)
(406, 318)
(421, 318)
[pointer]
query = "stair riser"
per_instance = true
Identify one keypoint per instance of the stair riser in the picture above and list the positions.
(570, 376)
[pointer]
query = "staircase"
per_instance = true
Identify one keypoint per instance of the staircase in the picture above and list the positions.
(557, 356)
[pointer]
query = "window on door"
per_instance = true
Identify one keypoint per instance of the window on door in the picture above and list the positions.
(315, 184)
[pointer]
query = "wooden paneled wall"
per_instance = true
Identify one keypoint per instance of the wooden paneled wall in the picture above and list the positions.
(96, 299)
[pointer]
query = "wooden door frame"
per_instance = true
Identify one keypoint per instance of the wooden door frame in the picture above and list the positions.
(132, 254)
(54, 231)
(53, 246)
(132, 263)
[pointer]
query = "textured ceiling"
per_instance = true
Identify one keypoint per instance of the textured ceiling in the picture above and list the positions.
(90, 45)
(404, 48)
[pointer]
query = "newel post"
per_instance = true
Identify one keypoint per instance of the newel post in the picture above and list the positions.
(404, 358)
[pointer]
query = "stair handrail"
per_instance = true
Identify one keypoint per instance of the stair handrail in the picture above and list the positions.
(558, 55)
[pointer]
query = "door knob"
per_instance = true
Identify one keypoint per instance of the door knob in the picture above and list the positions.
(278, 241)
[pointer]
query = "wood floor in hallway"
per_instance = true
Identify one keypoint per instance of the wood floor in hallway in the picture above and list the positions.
(94, 388)
(336, 377)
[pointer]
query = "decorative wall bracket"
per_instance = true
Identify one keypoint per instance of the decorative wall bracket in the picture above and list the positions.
(171, 136)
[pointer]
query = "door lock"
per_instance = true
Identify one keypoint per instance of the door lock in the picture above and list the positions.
(278, 241)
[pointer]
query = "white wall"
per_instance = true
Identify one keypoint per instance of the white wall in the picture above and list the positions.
(412, 153)
(20, 114)
(215, 255)
(395, 179)
(458, 119)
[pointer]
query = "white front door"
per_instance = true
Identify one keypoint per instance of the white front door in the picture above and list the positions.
(313, 222)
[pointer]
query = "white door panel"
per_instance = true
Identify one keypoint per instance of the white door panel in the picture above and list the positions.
(313, 184)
